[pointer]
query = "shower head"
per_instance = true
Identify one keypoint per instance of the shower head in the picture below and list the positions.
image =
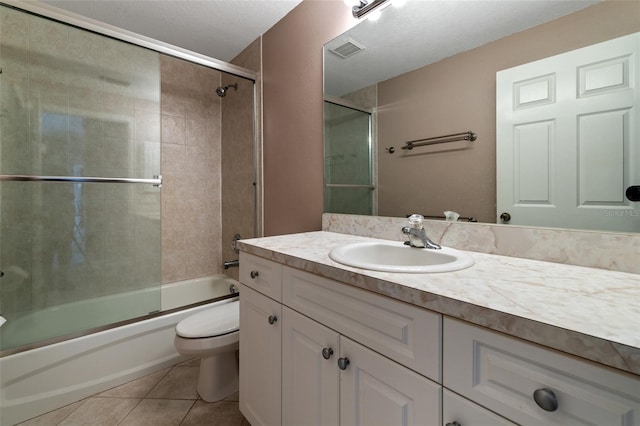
(222, 91)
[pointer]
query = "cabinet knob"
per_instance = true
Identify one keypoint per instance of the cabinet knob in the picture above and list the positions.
(273, 319)
(343, 363)
(453, 423)
(326, 353)
(505, 217)
(254, 274)
(546, 399)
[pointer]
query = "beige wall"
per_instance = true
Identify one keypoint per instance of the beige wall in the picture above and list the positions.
(458, 94)
(292, 96)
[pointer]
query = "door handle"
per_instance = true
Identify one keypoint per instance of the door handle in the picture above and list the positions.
(633, 193)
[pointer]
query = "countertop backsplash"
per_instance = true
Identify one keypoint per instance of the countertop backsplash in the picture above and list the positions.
(603, 250)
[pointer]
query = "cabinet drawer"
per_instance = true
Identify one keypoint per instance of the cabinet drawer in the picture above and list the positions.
(261, 275)
(459, 411)
(503, 373)
(407, 334)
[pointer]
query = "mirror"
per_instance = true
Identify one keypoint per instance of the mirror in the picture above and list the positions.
(428, 69)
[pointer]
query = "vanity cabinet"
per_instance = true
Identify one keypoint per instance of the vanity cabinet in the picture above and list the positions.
(345, 354)
(314, 351)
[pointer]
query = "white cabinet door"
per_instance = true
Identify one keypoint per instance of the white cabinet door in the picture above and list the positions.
(310, 375)
(377, 391)
(568, 139)
(260, 358)
(459, 411)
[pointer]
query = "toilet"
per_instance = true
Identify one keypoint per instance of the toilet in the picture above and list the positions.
(212, 335)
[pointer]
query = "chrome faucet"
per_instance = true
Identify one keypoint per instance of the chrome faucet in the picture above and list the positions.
(417, 235)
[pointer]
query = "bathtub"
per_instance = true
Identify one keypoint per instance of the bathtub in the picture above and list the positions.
(39, 380)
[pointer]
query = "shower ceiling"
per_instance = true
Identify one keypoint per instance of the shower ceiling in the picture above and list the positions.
(219, 29)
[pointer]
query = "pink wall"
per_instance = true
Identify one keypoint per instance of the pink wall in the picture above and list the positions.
(292, 101)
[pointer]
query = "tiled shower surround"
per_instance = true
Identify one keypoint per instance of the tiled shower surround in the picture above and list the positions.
(207, 168)
(191, 170)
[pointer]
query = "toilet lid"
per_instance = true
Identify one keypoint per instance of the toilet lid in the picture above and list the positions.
(221, 319)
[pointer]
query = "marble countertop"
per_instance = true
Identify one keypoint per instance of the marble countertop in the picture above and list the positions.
(587, 312)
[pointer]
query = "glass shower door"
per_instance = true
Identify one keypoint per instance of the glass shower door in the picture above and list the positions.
(349, 187)
(77, 249)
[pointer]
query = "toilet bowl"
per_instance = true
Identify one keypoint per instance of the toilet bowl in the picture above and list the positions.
(212, 335)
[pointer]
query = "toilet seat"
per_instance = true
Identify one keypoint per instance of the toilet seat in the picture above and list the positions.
(217, 321)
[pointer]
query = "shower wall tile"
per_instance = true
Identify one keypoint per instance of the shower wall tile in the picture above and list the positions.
(49, 38)
(173, 158)
(147, 126)
(172, 103)
(15, 153)
(196, 132)
(14, 28)
(173, 130)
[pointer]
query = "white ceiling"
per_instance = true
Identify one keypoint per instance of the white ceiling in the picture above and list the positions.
(422, 32)
(419, 33)
(219, 29)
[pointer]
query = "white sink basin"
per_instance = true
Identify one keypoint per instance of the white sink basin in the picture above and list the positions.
(397, 257)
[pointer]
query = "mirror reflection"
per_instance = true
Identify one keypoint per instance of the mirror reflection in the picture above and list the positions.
(429, 69)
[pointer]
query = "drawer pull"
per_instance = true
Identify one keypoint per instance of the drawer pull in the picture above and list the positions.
(343, 363)
(546, 399)
(254, 274)
(273, 319)
(326, 353)
(453, 423)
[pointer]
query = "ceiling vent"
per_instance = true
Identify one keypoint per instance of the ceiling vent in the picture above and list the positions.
(348, 48)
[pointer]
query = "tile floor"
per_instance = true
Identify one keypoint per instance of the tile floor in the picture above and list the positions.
(168, 397)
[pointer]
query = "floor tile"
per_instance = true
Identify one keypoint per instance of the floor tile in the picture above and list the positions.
(137, 388)
(214, 414)
(53, 418)
(101, 411)
(158, 412)
(193, 362)
(233, 397)
(179, 383)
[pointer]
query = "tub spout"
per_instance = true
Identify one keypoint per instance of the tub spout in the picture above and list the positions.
(231, 264)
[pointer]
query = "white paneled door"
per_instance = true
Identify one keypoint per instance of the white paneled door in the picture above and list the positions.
(567, 139)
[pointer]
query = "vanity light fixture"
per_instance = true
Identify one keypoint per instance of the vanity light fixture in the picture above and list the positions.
(362, 7)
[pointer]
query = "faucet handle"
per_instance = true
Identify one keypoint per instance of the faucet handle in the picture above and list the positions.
(415, 220)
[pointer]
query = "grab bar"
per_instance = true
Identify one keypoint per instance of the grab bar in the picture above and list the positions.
(347, 185)
(460, 219)
(156, 181)
(465, 136)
